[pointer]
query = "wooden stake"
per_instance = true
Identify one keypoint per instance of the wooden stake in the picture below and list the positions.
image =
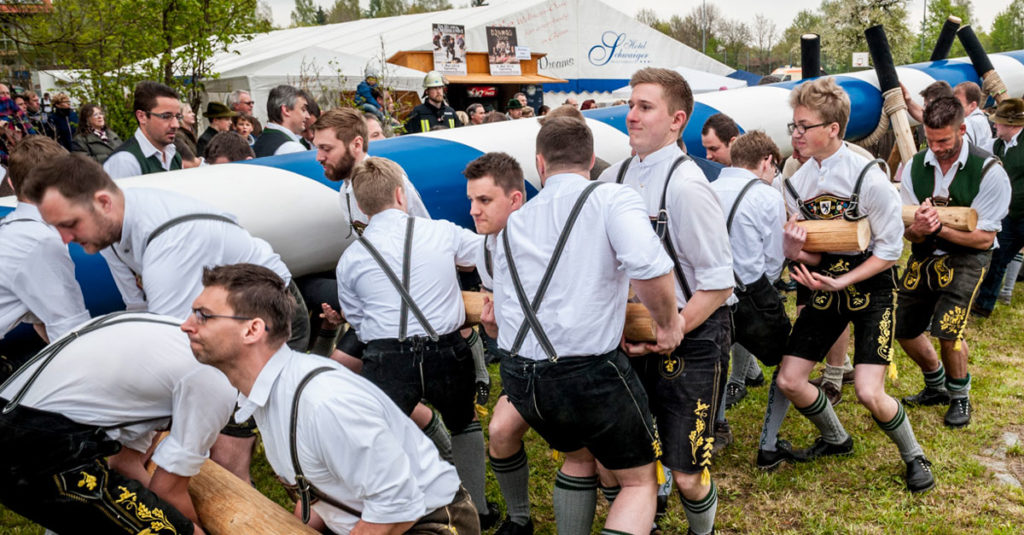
(836, 235)
(962, 218)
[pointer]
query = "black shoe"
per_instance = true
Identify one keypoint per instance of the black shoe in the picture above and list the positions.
(723, 437)
(927, 397)
(508, 527)
(492, 517)
(785, 286)
(770, 460)
(959, 413)
(483, 393)
(755, 381)
(820, 448)
(919, 474)
(979, 312)
(734, 392)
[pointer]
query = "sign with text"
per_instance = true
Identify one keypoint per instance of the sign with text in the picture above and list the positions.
(450, 48)
(501, 51)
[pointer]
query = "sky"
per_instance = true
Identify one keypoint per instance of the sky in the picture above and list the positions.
(781, 12)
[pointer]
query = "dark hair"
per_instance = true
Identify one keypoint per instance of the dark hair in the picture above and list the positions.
(769, 79)
(75, 176)
(588, 104)
(347, 124)
(971, 91)
(28, 154)
(146, 94)
(495, 117)
(502, 168)
(256, 292)
(282, 95)
(472, 107)
(311, 105)
(243, 117)
(565, 143)
(230, 145)
(936, 90)
(84, 114)
(725, 128)
(749, 149)
(943, 112)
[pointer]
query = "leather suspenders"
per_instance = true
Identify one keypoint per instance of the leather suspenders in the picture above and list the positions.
(852, 212)
(728, 223)
(402, 286)
(530, 309)
(184, 219)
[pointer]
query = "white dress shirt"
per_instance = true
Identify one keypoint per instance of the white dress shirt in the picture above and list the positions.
(288, 147)
(171, 267)
(833, 181)
(584, 308)
(992, 201)
(756, 234)
(353, 442)
(123, 164)
(354, 214)
(979, 132)
(133, 371)
(37, 277)
(697, 227)
(370, 302)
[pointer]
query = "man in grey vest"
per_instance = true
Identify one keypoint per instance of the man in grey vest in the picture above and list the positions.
(287, 111)
(151, 148)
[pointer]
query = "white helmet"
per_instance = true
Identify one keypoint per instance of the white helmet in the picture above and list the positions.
(371, 71)
(434, 79)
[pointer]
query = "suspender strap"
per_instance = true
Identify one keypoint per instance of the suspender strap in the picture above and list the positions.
(306, 489)
(661, 228)
(47, 355)
(400, 287)
(728, 223)
(488, 261)
(799, 202)
(4, 221)
(184, 219)
(530, 309)
(852, 212)
(622, 170)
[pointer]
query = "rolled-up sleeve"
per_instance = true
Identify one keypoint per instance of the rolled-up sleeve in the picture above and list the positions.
(699, 234)
(202, 404)
(885, 216)
(636, 246)
(993, 199)
(46, 284)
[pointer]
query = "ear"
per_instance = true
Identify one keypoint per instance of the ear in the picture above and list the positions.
(104, 201)
(255, 331)
(963, 128)
(517, 198)
(540, 165)
(679, 119)
(140, 116)
(593, 158)
(400, 199)
(357, 145)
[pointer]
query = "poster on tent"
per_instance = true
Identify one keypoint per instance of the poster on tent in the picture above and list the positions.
(501, 51)
(450, 48)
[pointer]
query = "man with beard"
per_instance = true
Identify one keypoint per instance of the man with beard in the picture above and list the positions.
(40, 120)
(151, 149)
(947, 265)
(433, 112)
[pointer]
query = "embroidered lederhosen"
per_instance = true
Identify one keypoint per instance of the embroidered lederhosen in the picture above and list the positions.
(760, 323)
(54, 471)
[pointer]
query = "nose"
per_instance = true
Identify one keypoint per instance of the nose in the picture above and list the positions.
(66, 235)
(188, 326)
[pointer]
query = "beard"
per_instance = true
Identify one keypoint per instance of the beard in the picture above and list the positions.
(342, 170)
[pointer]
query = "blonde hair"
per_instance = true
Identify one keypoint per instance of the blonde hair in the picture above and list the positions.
(673, 86)
(374, 182)
(826, 98)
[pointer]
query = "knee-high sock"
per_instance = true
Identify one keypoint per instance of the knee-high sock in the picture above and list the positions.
(700, 514)
(476, 346)
(574, 500)
(513, 475)
(820, 413)
(740, 364)
(959, 388)
(720, 411)
(438, 434)
(936, 379)
(900, 431)
(468, 453)
(1012, 270)
(774, 415)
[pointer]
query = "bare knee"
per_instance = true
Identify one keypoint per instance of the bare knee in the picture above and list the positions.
(870, 395)
(506, 430)
(689, 485)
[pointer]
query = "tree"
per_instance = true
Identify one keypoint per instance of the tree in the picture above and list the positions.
(385, 8)
(937, 13)
(305, 13)
(805, 21)
(1008, 28)
(647, 16)
(428, 6)
(763, 38)
(344, 11)
(844, 22)
(734, 36)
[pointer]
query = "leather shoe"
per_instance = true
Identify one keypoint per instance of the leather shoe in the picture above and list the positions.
(919, 474)
(768, 461)
(959, 413)
(508, 527)
(491, 518)
(833, 393)
(820, 448)
(927, 397)
(734, 392)
(723, 437)
(755, 381)
(979, 312)
(847, 378)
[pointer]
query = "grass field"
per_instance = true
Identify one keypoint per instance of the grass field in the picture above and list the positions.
(862, 494)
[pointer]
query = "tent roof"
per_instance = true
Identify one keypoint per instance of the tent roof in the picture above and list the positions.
(700, 82)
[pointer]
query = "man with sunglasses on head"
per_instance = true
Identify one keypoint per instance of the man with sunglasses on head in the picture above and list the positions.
(156, 244)
(151, 148)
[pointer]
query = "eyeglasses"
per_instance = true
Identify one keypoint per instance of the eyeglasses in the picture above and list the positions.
(802, 129)
(167, 115)
(201, 316)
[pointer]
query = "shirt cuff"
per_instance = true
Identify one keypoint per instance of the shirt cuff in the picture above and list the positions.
(659, 267)
(173, 457)
(716, 278)
(989, 225)
(395, 511)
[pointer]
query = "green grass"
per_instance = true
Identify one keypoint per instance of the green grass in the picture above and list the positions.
(861, 494)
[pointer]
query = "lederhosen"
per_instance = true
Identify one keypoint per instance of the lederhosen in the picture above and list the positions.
(868, 304)
(686, 386)
(576, 401)
(434, 367)
(760, 323)
(148, 165)
(457, 517)
(55, 472)
(939, 289)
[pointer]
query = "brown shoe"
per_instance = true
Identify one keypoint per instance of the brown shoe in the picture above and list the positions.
(847, 378)
(833, 393)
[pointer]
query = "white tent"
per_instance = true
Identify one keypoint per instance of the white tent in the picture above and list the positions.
(700, 82)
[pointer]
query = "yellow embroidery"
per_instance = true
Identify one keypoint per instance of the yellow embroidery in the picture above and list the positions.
(839, 267)
(943, 272)
(821, 300)
(856, 300)
(700, 446)
(157, 519)
(88, 481)
(913, 276)
(671, 366)
(885, 336)
(952, 320)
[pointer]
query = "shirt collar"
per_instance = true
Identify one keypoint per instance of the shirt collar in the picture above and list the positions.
(148, 149)
(555, 181)
(1014, 141)
(834, 160)
(274, 126)
(736, 172)
(670, 151)
(26, 210)
(930, 159)
(264, 384)
(386, 217)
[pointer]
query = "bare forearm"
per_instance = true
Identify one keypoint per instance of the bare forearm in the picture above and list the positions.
(703, 303)
(871, 267)
(659, 296)
(977, 239)
(130, 464)
(369, 528)
(174, 490)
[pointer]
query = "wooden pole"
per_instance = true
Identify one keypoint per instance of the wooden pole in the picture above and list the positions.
(836, 235)
(962, 218)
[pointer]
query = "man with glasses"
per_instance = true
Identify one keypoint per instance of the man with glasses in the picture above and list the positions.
(156, 244)
(241, 101)
(151, 148)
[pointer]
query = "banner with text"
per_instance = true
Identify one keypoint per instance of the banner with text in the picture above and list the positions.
(450, 48)
(501, 51)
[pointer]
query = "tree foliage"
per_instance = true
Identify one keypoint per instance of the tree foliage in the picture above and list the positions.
(344, 11)
(938, 12)
(386, 8)
(1008, 28)
(305, 13)
(843, 30)
(428, 6)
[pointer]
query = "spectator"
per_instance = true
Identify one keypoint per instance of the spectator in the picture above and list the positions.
(543, 111)
(495, 117)
(189, 159)
(374, 129)
(434, 110)
(521, 97)
(314, 114)
(151, 148)
(717, 135)
(47, 103)
(242, 124)
(365, 99)
(227, 147)
(13, 116)
(19, 101)
(220, 118)
(39, 119)
(241, 101)
(463, 116)
(187, 130)
(528, 112)
(514, 109)
(287, 110)
(476, 113)
(93, 136)
(65, 120)
(588, 104)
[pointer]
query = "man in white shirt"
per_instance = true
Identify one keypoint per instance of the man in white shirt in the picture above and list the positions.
(367, 466)
(561, 366)
(287, 113)
(979, 131)
(946, 266)
(80, 417)
(717, 135)
(848, 287)
(414, 349)
(37, 276)
(151, 149)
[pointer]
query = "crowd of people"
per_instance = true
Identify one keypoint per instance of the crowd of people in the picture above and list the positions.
(367, 388)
